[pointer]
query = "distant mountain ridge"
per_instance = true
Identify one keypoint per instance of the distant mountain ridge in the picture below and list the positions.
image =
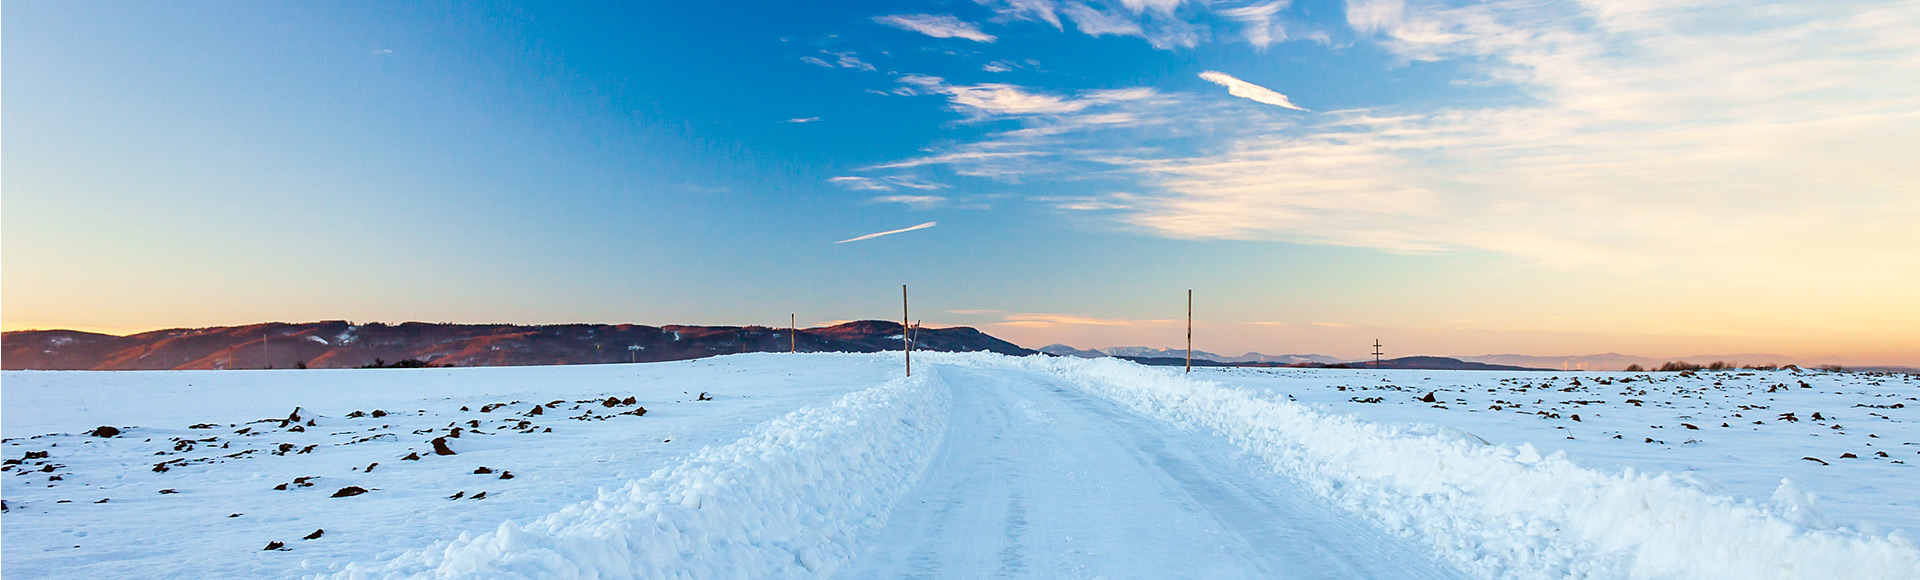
(341, 344)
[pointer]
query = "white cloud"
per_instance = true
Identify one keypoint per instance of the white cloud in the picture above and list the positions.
(889, 232)
(913, 201)
(1000, 66)
(841, 60)
(1094, 22)
(990, 99)
(1257, 19)
(937, 26)
(1247, 90)
(884, 183)
(849, 60)
(802, 120)
(1040, 10)
(1729, 136)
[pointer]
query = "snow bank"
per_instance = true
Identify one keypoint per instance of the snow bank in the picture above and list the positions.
(789, 500)
(1496, 511)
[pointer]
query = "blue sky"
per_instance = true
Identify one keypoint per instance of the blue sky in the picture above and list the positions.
(1505, 176)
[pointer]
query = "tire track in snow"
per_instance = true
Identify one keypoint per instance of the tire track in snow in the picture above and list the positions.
(1038, 480)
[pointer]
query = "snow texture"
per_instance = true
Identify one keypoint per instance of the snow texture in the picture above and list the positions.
(802, 461)
(1496, 511)
(789, 500)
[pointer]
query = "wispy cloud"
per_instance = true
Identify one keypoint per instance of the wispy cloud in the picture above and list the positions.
(1250, 91)
(889, 232)
(840, 60)
(883, 183)
(1258, 22)
(1001, 99)
(937, 26)
(913, 201)
(850, 60)
(802, 120)
(1709, 135)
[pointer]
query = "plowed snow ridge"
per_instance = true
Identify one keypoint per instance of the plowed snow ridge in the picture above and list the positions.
(789, 500)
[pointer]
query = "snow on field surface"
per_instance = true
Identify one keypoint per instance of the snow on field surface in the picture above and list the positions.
(1852, 439)
(54, 528)
(835, 466)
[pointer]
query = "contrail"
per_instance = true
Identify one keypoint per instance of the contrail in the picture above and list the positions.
(890, 232)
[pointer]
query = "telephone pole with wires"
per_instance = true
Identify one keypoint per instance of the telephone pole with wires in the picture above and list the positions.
(906, 342)
(1376, 354)
(1189, 330)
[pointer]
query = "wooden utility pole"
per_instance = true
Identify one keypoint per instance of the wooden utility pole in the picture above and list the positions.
(1189, 330)
(906, 343)
(1376, 354)
(793, 340)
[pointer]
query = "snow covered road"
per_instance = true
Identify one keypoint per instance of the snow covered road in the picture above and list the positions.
(1038, 480)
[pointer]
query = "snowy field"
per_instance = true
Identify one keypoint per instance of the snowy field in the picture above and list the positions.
(835, 466)
(1851, 440)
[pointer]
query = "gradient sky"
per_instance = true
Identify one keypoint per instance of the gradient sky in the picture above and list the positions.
(1453, 178)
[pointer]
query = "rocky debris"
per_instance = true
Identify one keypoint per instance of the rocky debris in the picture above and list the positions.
(169, 491)
(378, 413)
(482, 470)
(458, 495)
(1815, 460)
(1429, 398)
(411, 457)
(271, 546)
(202, 426)
(481, 495)
(370, 467)
(706, 397)
(504, 474)
(440, 446)
(315, 535)
(105, 431)
(349, 491)
(293, 418)
(537, 410)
